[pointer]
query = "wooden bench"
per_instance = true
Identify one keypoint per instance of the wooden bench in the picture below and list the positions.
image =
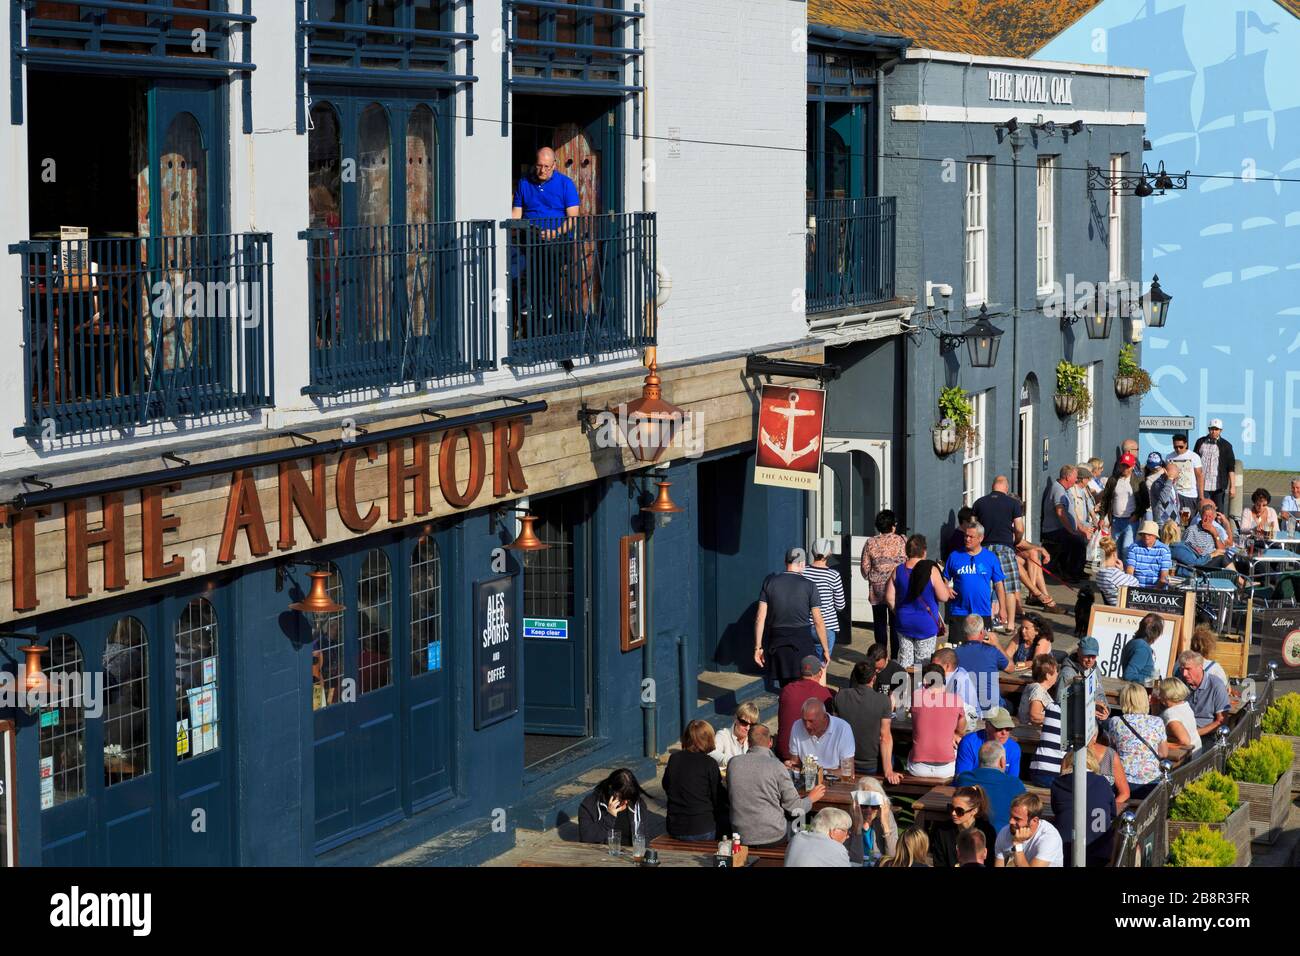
(666, 842)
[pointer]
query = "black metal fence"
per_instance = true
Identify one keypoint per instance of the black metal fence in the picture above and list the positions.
(851, 252)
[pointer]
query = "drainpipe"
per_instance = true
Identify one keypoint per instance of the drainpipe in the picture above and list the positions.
(1013, 424)
(684, 671)
(649, 708)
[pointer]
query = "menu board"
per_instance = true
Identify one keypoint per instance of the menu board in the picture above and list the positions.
(496, 657)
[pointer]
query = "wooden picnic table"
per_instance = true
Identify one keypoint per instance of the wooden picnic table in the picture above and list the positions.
(594, 854)
(666, 842)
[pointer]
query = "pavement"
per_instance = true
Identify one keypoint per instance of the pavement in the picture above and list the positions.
(1285, 852)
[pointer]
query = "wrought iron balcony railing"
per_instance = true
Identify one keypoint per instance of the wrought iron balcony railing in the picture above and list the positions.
(850, 253)
(398, 304)
(122, 332)
(580, 287)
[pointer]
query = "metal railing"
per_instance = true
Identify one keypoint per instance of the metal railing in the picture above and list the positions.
(122, 332)
(580, 287)
(850, 253)
(400, 304)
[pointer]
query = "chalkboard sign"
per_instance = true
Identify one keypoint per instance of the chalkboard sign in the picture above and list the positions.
(631, 552)
(1175, 603)
(496, 651)
(8, 796)
(1279, 632)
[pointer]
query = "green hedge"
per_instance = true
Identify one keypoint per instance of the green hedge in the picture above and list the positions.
(1263, 761)
(1202, 847)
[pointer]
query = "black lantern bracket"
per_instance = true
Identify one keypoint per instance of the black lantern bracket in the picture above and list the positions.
(497, 517)
(282, 569)
(950, 339)
(1141, 184)
(787, 368)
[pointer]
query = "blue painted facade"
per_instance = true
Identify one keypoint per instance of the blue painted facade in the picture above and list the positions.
(1223, 100)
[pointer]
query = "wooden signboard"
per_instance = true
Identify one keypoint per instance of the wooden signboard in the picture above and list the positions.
(1176, 603)
(789, 441)
(1113, 627)
(631, 561)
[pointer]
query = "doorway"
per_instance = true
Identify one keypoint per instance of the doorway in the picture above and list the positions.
(1026, 480)
(557, 604)
(855, 488)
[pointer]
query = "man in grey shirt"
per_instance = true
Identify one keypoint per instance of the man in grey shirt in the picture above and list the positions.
(762, 793)
(821, 843)
(1209, 699)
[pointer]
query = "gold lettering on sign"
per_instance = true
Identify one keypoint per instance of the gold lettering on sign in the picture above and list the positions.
(399, 473)
(447, 466)
(507, 472)
(308, 502)
(153, 525)
(345, 489)
(22, 537)
(243, 511)
(79, 541)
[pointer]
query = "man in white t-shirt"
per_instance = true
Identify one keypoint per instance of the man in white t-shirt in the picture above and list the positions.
(828, 738)
(1028, 840)
(1191, 475)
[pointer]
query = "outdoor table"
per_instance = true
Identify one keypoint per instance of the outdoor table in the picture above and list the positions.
(594, 854)
(666, 842)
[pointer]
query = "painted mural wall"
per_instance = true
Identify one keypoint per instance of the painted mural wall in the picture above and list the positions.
(1223, 99)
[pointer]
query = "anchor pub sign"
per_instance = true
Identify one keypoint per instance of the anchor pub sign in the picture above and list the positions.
(790, 421)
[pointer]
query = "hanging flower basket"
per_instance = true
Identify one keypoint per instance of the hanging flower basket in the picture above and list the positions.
(1068, 404)
(946, 439)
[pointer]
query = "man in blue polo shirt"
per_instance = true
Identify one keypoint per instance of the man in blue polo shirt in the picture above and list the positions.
(976, 573)
(548, 200)
(983, 660)
(546, 194)
(998, 724)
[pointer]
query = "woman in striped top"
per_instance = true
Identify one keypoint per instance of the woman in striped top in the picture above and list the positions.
(1111, 576)
(830, 591)
(1046, 765)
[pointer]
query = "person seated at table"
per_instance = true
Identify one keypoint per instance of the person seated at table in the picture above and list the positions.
(1291, 503)
(1110, 766)
(1028, 839)
(938, 723)
(889, 677)
(997, 727)
(1101, 811)
(827, 738)
(1031, 634)
(1209, 698)
(1259, 519)
(913, 849)
(734, 740)
(1137, 662)
(761, 794)
(793, 695)
(821, 842)
(692, 782)
(992, 777)
(617, 803)
(1149, 561)
(958, 682)
(1111, 576)
(1080, 663)
(968, 809)
(1139, 738)
(973, 849)
(1038, 697)
(1205, 543)
(1030, 559)
(875, 831)
(982, 658)
(868, 715)
(1180, 723)
(1205, 643)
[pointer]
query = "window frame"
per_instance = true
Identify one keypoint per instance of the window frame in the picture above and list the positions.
(974, 455)
(1045, 230)
(975, 250)
(1085, 437)
(1115, 221)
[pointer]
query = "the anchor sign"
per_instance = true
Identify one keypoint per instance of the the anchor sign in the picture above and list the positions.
(786, 451)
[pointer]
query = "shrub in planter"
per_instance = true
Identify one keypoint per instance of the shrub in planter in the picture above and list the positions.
(1262, 762)
(1072, 395)
(955, 412)
(1202, 847)
(1130, 378)
(1283, 717)
(1208, 799)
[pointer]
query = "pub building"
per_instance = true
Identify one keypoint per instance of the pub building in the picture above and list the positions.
(344, 492)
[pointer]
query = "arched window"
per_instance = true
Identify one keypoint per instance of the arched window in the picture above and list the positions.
(426, 607)
(197, 710)
(183, 178)
(374, 167)
(126, 702)
(324, 168)
(63, 725)
(375, 623)
(421, 168)
(327, 651)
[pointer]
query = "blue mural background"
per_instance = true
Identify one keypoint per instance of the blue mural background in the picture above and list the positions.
(1223, 98)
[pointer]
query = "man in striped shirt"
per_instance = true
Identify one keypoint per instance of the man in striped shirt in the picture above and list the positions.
(1149, 559)
(830, 590)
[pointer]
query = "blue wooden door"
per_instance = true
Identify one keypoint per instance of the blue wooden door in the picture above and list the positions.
(556, 697)
(424, 669)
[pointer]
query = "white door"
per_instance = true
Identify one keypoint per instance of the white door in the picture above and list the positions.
(1028, 468)
(861, 468)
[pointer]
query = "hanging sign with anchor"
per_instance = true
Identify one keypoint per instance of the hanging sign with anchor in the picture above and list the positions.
(790, 421)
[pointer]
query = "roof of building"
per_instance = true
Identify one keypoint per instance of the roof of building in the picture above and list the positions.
(1011, 28)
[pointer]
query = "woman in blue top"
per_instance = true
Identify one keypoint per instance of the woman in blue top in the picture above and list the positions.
(915, 592)
(1137, 662)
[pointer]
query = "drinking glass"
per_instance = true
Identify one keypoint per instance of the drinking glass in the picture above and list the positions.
(615, 842)
(846, 768)
(638, 847)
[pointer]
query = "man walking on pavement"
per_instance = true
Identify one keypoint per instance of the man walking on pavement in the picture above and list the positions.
(976, 576)
(1003, 518)
(830, 591)
(1217, 464)
(787, 601)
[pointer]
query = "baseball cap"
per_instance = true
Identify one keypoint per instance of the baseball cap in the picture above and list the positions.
(812, 664)
(1088, 647)
(795, 555)
(1128, 458)
(1155, 460)
(822, 547)
(999, 718)
(1216, 423)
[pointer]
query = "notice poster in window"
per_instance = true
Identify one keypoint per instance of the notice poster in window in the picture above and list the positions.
(72, 243)
(47, 782)
(182, 737)
(209, 670)
(435, 656)
(203, 719)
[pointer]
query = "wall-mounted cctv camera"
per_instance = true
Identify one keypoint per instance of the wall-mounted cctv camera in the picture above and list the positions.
(933, 288)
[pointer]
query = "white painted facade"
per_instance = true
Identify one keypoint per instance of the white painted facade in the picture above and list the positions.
(730, 229)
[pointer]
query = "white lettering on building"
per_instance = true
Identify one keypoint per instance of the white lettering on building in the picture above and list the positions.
(1030, 88)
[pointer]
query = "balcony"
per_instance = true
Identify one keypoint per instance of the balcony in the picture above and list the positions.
(400, 304)
(581, 287)
(850, 261)
(122, 332)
